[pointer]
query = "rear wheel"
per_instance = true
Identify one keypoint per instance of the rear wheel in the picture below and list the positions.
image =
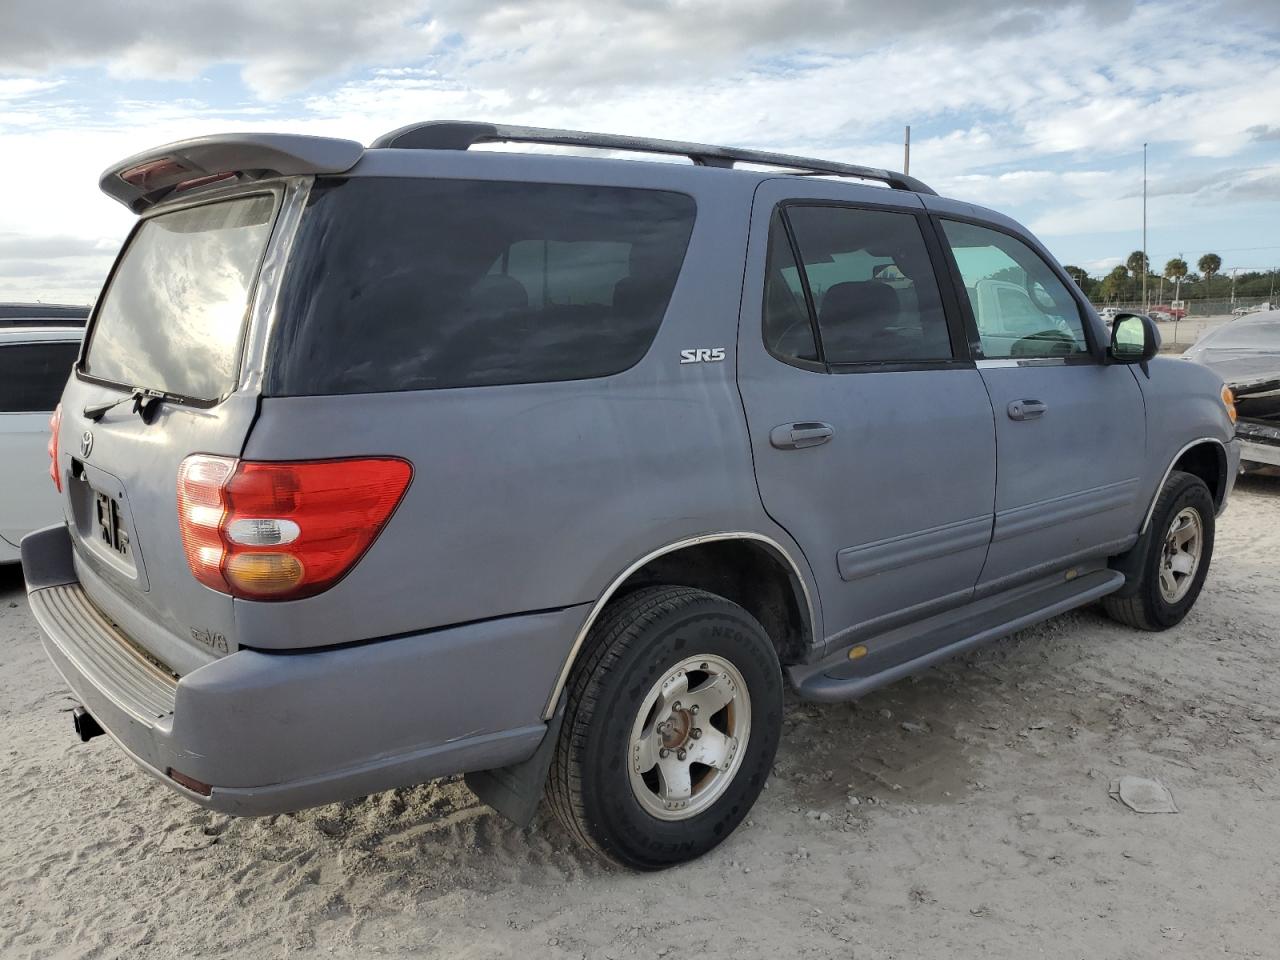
(1176, 550)
(672, 723)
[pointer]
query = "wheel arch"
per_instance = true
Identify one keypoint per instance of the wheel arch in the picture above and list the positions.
(723, 563)
(1206, 458)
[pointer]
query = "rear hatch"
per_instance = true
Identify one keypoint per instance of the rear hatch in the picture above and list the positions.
(173, 321)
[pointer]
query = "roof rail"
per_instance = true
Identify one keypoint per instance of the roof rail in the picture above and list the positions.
(459, 135)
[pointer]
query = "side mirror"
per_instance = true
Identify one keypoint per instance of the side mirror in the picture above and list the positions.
(1134, 339)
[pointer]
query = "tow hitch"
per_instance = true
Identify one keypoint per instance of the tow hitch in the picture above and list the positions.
(86, 727)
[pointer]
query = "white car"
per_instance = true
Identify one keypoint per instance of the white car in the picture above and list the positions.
(35, 361)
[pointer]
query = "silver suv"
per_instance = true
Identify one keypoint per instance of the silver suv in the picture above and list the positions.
(385, 464)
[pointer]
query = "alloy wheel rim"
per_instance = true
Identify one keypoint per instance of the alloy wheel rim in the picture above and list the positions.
(1180, 555)
(689, 737)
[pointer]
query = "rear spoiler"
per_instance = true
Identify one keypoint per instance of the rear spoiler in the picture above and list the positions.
(145, 179)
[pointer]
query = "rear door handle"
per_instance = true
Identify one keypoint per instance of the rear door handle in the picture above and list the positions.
(1027, 409)
(794, 436)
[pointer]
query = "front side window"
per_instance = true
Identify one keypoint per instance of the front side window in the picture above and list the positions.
(32, 375)
(871, 283)
(1022, 309)
(419, 284)
(172, 317)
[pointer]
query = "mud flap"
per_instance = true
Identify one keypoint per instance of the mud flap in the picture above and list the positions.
(515, 791)
(1132, 563)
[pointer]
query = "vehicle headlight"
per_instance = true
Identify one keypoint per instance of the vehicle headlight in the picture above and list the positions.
(1229, 401)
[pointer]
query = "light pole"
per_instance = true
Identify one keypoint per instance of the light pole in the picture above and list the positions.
(1144, 227)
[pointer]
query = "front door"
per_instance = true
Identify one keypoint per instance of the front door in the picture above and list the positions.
(871, 429)
(1070, 429)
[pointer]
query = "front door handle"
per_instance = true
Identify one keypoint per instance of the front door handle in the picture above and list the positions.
(1027, 409)
(795, 436)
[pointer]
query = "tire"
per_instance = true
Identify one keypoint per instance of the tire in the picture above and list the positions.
(1149, 604)
(596, 787)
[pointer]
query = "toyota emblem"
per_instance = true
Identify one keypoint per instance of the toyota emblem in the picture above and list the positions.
(86, 443)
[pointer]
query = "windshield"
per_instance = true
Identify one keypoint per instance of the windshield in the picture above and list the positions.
(172, 316)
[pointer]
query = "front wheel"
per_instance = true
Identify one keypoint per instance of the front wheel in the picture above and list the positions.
(1175, 555)
(672, 723)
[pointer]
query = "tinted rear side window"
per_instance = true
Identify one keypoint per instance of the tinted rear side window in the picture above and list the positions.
(32, 375)
(415, 284)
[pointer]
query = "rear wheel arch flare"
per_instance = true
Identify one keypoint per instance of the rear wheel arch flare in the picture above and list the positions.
(750, 569)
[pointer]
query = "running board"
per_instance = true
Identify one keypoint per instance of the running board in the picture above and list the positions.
(857, 669)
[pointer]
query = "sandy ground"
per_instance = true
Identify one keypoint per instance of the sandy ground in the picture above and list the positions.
(982, 829)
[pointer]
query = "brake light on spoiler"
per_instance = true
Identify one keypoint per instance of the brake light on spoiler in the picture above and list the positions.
(168, 173)
(283, 530)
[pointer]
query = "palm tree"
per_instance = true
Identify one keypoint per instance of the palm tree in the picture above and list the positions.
(1209, 264)
(1137, 263)
(1175, 270)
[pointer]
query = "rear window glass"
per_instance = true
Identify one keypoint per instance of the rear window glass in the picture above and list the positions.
(414, 284)
(174, 312)
(32, 375)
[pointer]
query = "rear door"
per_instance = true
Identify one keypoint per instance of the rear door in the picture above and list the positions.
(1070, 429)
(174, 317)
(871, 429)
(32, 373)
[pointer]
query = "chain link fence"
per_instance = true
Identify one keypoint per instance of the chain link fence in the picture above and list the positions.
(1223, 307)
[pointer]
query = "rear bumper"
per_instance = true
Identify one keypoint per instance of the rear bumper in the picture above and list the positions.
(273, 733)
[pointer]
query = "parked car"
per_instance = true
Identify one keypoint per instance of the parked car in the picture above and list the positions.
(1246, 354)
(554, 470)
(35, 361)
(1166, 312)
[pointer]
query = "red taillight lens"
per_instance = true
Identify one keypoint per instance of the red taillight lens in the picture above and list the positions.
(283, 531)
(55, 428)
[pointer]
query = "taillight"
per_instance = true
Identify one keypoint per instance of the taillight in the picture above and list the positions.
(55, 427)
(283, 531)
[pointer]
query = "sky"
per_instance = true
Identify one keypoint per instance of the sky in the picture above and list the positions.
(1037, 108)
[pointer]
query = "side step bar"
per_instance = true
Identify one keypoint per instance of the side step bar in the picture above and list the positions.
(839, 678)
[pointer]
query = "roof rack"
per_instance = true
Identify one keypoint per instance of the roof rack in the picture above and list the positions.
(458, 135)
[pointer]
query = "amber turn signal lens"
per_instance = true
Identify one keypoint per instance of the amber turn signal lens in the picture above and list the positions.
(264, 574)
(1229, 401)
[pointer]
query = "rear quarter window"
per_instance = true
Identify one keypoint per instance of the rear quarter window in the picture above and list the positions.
(416, 284)
(32, 375)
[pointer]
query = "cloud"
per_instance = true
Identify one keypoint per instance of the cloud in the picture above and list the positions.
(282, 46)
(1033, 107)
(533, 44)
